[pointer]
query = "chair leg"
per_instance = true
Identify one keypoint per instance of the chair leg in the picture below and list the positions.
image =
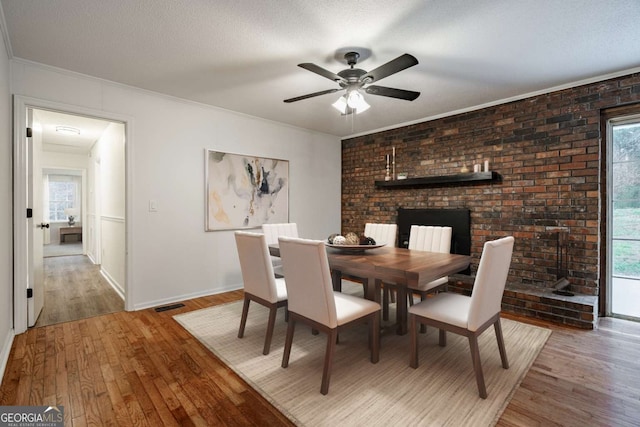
(503, 352)
(270, 326)
(423, 327)
(374, 334)
(332, 335)
(413, 333)
(385, 303)
(477, 365)
(287, 342)
(243, 319)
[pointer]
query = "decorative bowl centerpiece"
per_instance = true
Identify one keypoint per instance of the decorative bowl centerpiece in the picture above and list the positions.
(351, 243)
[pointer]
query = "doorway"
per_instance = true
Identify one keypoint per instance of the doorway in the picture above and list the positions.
(74, 287)
(623, 206)
(101, 160)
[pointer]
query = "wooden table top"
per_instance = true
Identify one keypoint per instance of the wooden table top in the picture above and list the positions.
(394, 265)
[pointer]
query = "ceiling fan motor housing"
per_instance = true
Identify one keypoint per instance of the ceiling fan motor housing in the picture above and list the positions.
(351, 76)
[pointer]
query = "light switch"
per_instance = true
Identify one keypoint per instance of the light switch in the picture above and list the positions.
(153, 206)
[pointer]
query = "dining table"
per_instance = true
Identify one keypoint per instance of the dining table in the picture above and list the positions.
(404, 268)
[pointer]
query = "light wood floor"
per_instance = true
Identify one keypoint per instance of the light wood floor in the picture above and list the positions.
(74, 289)
(142, 368)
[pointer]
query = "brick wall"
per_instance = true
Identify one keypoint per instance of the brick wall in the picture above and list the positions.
(546, 148)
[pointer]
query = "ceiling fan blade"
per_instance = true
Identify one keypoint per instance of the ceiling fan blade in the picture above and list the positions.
(407, 95)
(400, 63)
(321, 71)
(311, 95)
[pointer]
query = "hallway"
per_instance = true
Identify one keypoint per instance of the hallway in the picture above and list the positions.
(74, 289)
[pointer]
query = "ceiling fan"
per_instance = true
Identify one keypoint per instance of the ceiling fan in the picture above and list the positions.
(353, 79)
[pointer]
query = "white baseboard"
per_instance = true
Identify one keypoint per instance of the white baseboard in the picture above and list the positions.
(5, 352)
(185, 297)
(114, 284)
(91, 258)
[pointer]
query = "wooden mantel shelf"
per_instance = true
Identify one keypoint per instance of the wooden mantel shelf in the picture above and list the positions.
(459, 178)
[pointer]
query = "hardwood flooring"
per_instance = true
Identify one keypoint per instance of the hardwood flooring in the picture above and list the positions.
(74, 289)
(64, 249)
(142, 368)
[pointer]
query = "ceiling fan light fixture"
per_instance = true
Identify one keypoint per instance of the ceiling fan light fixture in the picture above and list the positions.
(356, 101)
(341, 104)
(353, 102)
(67, 130)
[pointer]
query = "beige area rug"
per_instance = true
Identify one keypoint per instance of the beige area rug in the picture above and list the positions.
(441, 392)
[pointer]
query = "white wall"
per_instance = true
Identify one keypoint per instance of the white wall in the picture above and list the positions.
(92, 203)
(109, 214)
(6, 208)
(55, 160)
(170, 257)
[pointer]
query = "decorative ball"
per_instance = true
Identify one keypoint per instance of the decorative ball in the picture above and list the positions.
(352, 239)
(331, 237)
(339, 240)
(364, 240)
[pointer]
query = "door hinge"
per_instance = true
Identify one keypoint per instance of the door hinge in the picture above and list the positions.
(29, 213)
(29, 132)
(29, 293)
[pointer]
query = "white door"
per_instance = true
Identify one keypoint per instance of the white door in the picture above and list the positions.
(36, 224)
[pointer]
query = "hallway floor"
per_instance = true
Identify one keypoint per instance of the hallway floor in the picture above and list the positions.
(74, 289)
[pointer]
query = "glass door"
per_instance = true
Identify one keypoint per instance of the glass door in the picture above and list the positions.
(624, 212)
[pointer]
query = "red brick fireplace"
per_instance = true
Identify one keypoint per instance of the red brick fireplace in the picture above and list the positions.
(546, 153)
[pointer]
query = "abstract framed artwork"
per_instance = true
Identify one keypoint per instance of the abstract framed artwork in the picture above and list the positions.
(245, 191)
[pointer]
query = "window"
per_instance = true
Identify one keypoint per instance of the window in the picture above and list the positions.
(63, 194)
(623, 199)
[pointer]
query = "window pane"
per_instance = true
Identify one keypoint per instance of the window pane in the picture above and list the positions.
(626, 258)
(62, 195)
(626, 143)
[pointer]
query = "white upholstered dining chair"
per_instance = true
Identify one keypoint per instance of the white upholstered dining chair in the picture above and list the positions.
(260, 283)
(469, 316)
(382, 233)
(387, 234)
(313, 301)
(272, 232)
(433, 239)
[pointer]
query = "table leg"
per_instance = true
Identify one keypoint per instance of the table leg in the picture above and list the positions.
(336, 280)
(401, 310)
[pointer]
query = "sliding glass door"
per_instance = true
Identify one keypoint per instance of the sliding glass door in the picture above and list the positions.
(624, 213)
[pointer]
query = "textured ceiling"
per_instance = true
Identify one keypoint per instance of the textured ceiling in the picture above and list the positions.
(242, 55)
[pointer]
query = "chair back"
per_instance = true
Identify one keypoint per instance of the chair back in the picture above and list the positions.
(273, 231)
(255, 263)
(309, 287)
(491, 278)
(382, 233)
(430, 238)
